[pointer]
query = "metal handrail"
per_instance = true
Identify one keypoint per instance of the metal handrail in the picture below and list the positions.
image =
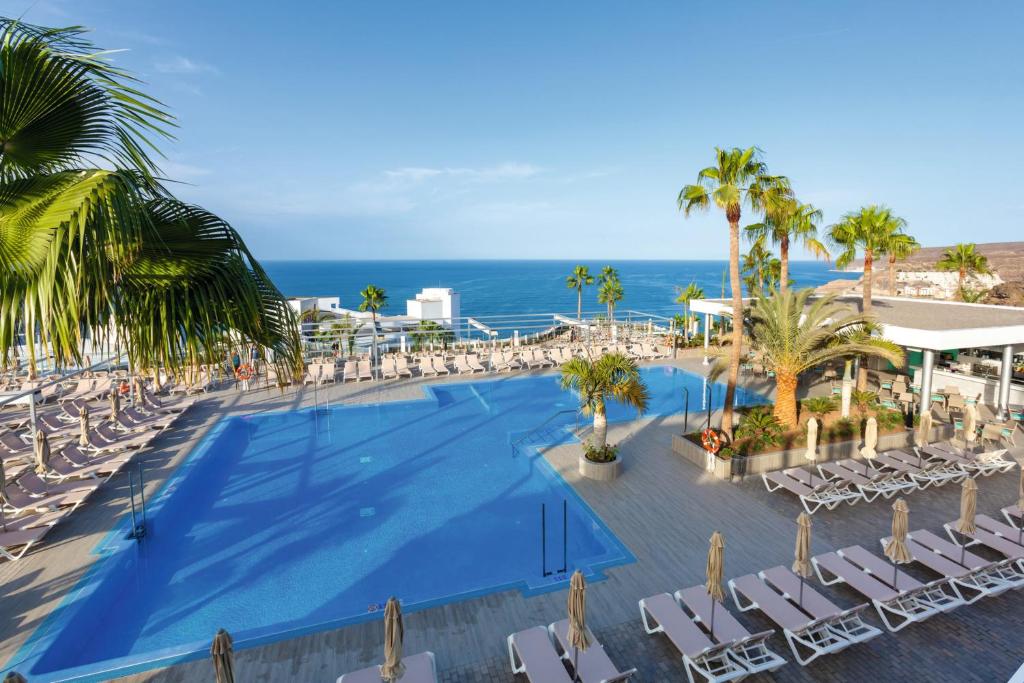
(542, 425)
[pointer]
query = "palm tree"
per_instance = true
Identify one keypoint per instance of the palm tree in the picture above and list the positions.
(609, 293)
(613, 376)
(869, 230)
(579, 279)
(738, 178)
(789, 221)
(92, 244)
(374, 299)
(900, 246)
(966, 260)
(687, 295)
(794, 334)
(757, 267)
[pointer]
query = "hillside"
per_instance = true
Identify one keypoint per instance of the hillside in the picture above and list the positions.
(1004, 258)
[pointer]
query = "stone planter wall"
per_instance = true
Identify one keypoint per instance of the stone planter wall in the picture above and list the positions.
(600, 471)
(740, 466)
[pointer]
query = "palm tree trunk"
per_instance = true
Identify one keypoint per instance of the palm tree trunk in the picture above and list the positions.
(892, 275)
(960, 281)
(784, 264)
(862, 374)
(737, 322)
(686, 323)
(869, 258)
(579, 303)
(785, 399)
(600, 436)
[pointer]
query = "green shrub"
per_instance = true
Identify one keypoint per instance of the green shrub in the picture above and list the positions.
(818, 406)
(864, 400)
(840, 430)
(759, 429)
(604, 454)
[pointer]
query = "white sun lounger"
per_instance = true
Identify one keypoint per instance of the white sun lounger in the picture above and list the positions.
(985, 464)
(402, 367)
(713, 662)
(870, 482)
(871, 576)
(971, 580)
(419, 668)
(920, 470)
(813, 492)
(440, 367)
(592, 665)
(995, 535)
(971, 575)
(532, 652)
(750, 649)
(813, 626)
(16, 542)
(365, 370)
(426, 368)
(474, 363)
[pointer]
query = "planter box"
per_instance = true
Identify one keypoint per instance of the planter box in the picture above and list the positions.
(600, 471)
(740, 466)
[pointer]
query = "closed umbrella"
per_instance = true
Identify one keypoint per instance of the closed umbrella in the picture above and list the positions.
(1020, 507)
(394, 635)
(14, 677)
(870, 441)
(970, 424)
(83, 421)
(924, 430)
(578, 637)
(968, 507)
(115, 404)
(811, 454)
(716, 563)
(896, 549)
(42, 452)
(802, 554)
(223, 657)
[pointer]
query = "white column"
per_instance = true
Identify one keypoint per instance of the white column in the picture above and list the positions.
(707, 337)
(927, 365)
(1005, 375)
(515, 337)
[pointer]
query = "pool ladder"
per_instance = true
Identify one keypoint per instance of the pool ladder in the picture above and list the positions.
(138, 530)
(544, 540)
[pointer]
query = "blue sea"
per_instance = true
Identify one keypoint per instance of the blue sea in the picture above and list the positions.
(491, 288)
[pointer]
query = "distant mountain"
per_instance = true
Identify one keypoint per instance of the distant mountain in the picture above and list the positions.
(1004, 258)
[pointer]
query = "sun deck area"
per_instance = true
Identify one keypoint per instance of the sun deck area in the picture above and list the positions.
(662, 508)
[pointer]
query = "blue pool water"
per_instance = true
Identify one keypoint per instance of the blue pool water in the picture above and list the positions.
(284, 523)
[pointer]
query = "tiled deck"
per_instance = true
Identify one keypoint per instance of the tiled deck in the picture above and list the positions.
(662, 508)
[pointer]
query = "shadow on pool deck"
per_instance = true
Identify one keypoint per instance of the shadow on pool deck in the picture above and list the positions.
(662, 508)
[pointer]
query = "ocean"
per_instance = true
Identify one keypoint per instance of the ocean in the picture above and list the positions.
(491, 288)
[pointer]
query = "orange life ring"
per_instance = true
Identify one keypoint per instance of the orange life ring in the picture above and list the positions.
(124, 388)
(710, 440)
(244, 373)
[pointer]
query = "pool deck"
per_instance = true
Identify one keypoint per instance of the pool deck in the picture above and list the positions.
(662, 508)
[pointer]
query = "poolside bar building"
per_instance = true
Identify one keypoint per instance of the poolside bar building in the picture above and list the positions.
(974, 347)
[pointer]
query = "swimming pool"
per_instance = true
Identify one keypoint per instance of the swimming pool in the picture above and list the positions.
(284, 523)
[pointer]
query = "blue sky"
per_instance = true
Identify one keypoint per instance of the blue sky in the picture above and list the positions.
(561, 130)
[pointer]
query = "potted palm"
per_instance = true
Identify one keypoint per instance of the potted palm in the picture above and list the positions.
(614, 377)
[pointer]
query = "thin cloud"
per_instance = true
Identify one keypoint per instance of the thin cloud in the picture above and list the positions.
(505, 171)
(179, 64)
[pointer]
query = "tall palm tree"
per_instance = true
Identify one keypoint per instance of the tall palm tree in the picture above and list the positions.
(757, 267)
(793, 334)
(91, 244)
(966, 260)
(687, 295)
(608, 275)
(868, 230)
(610, 293)
(374, 299)
(579, 279)
(788, 222)
(612, 376)
(737, 178)
(900, 246)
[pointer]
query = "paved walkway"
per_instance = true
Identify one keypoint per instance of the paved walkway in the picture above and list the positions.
(662, 508)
